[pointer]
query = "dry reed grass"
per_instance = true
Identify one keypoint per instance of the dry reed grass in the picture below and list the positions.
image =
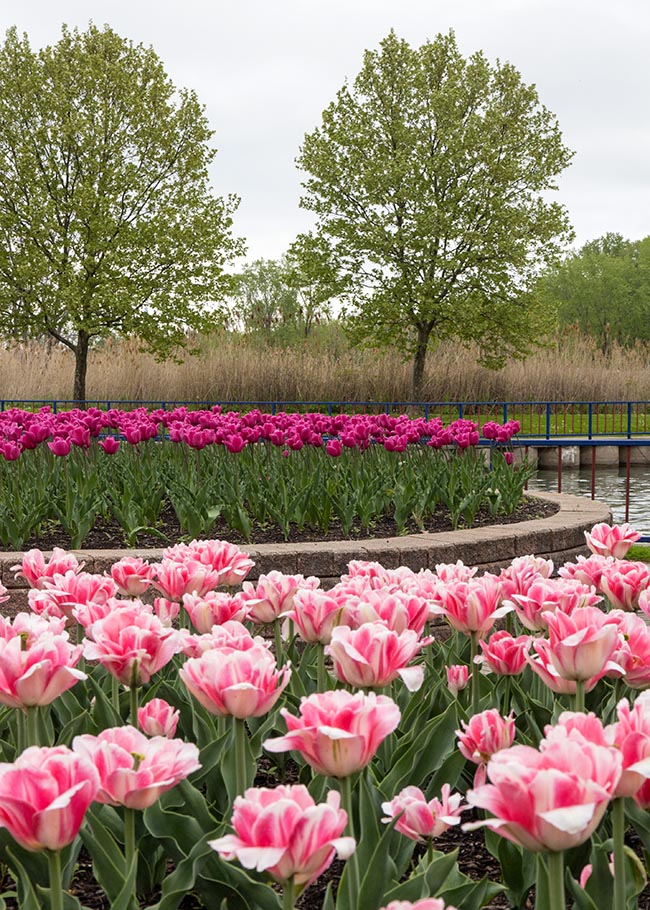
(230, 369)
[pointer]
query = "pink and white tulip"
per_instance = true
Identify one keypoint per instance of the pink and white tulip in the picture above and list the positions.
(315, 613)
(283, 832)
(624, 583)
(135, 770)
(548, 800)
(132, 644)
(457, 678)
(338, 733)
(426, 903)
(581, 643)
(611, 540)
(158, 718)
(420, 819)
(373, 656)
(35, 570)
(214, 609)
(484, 735)
(631, 735)
(504, 654)
(273, 595)
(132, 575)
(546, 596)
(232, 683)
(472, 607)
(38, 673)
(44, 796)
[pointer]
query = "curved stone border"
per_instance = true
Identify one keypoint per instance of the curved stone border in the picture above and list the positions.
(559, 537)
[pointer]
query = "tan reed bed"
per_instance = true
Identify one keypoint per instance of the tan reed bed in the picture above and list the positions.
(230, 368)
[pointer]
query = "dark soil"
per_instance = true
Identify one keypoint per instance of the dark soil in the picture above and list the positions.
(109, 534)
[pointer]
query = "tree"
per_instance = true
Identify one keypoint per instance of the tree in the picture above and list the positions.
(315, 277)
(294, 291)
(429, 175)
(604, 290)
(108, 225)
(263, 296)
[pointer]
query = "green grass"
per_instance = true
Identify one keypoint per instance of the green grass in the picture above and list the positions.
(639, 552)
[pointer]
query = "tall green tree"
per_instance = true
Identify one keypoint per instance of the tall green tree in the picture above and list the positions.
(604, 290)
(108, 224)
(429, 175)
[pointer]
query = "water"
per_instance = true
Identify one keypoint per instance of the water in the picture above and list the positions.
(610, 488)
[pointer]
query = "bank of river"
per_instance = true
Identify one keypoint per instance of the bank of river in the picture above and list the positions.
(610, 488)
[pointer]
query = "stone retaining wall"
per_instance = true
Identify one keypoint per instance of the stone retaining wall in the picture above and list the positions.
(560, 537)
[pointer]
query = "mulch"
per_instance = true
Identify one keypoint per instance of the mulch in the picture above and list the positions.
(108, 535)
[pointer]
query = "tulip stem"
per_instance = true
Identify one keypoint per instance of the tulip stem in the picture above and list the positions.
(556, 881)
(277, 636)
(130, 852)
(56, 887)
(31, 727)
(476, 670)
(580, 695)
(505, 709)
(240, 755)
(345, 789)
(133, 702)
(618, 833)
(321, 675)
(115, 693)
(288, 895)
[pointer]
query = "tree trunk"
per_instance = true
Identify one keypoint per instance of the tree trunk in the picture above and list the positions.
(80, 367)
(419, 361)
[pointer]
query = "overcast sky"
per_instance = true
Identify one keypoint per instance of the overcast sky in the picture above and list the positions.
(266, 69)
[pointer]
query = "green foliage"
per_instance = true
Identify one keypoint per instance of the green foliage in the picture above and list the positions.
(604, 290)
(260, 486)
(108, 221)
(285, 300)
(427, 175)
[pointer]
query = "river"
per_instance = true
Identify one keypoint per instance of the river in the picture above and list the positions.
(610, 488)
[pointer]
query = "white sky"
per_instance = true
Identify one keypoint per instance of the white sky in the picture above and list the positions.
(266, 69)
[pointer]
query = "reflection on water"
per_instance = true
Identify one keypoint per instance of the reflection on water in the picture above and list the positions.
(610, 488)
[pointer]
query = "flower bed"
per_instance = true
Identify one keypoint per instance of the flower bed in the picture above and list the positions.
(137, 730)
(74, 469)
